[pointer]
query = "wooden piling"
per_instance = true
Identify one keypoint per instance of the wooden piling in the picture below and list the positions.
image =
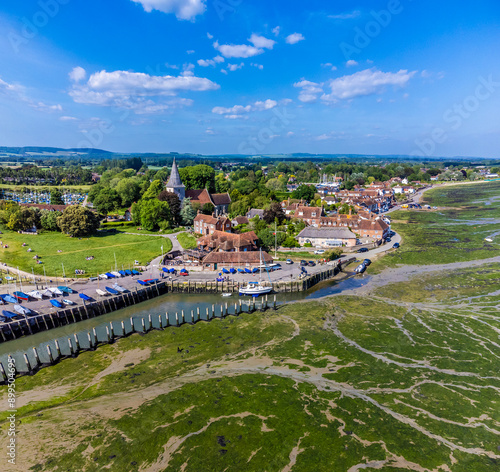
(123, 328)
(77, 343)
(70, 344)
(37, 359)
(177, 319)
(183, 320)
(4, 375)
(160, 322)
(89, 338)
(49, 352)
(274, 303)
(198, 313)
(132, 324)
(167, 320)
(96, 341)
(150, 323)
(107, 335)
(111, 330)
(28, 365)
(58, 349)
(143, 324)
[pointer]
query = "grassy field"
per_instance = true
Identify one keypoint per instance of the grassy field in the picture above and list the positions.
(187, 241)
(74, 251)
(39, 188)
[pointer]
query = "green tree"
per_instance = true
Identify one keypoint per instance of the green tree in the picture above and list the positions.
(268, 238)
(153, 213)
(275, 211)
(187, 212)
(304, 192)
(221, 184)
(129, 191)
(56, 197)
(48, 220)
(78, 221)
(107, 201)
(25, 219)
(207, 208)
(198, 177)
(290, 241)
(174, 204)
(154, 190)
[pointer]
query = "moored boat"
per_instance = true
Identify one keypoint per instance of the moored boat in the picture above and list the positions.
(119, 288)
(65, 289)
(85, 297)
(36, 294)
(111, 291)
(22, 296)
(100, 292)
(116, 274)
(55, 291)
(9, 298)
(56, 303)
(68, 302)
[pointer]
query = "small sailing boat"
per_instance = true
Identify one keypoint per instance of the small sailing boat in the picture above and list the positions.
(36, 294)
(255, 289)
(100, 292)
(56, 303)
(68, 302)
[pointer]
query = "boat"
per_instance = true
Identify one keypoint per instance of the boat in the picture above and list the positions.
(10, 315)
(22, 296)
(128, 272)
(85, 297)
(8, 277)
(111, 291)
(110, 275)
(9, 298)
(135, 272)
(55, 291)
(100, 292)
(116, 274)
(241, 271)
(122, 273)
(120, 288)
(255, 289)
(164, 269)
(36, 294)
(47, 293)
(56, 303)
(64, 289)
(68, 302)
(103, 276)
(142, 282)
(360, 269)
(22, 310)
(232, 270)
(225, 271)
(226, 295)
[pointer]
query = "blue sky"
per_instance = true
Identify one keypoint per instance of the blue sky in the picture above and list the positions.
(252, 77)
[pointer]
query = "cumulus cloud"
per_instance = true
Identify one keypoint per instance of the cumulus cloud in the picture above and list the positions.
(78, 74)
(261, 41)
(366, 82)
(183, 9)
(294, 38)
(276, 31)
(238, 111)
(138, 91)
(309, 92)
(237, 50)
(9, 88)
(68, 118)
(259, 66)
(233, 67)
(351, 63)
(210, 62)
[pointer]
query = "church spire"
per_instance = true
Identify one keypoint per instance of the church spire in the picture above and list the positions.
(175, 179)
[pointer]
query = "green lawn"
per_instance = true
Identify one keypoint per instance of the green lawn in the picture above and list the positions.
(187, 241)
(74, 251)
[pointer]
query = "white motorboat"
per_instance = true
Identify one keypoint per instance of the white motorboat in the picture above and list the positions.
(36, 294)
(116, 274)
(226, 295)
(68, 302)
(47, 293)
(255, 289)
(55, 291)
(100, 292)
(103, 276)
(119, 288)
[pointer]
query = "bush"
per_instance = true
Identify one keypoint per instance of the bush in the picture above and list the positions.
(308, 245)
(290, 241)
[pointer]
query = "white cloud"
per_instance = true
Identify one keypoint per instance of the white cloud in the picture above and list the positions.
(309, 92)
(329, 65)
(233, 67)
(276, 31)
(210, 62)
(259, 66)
(183, 9)
(261, 41)
(77, 74)
(138, 91)
(190, 51)
(345, 16)
(351, 63)
(238, 110)
(366, 82)
(6, 87)
(237, 50)
(68, 118)
(44, 107)
(209, 131)
(210, 36)
(290, 134)
(294, 38)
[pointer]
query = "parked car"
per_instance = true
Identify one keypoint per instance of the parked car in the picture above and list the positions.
(289, 261)
(360, 269)
(303, 263)
(387, 240)
(363, 249)
(319, 251)
(395, 245)
(183, 273)
(367, 262)
(311, 263)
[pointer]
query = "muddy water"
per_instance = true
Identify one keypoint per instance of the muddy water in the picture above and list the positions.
(166, 305)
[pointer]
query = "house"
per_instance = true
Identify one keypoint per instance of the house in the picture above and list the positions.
(255, 212)
(208, 224)
(240, 220)
(310, 215)
(218, 260)
(374, 228)
(327, 237)
(45, 206)
(228, 242)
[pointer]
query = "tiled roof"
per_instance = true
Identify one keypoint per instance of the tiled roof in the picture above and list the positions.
(42, 206)
(175, 179)
(221, 198)
(199, 196)
(336, 233)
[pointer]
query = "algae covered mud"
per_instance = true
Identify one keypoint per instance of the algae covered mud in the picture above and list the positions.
(399, 374)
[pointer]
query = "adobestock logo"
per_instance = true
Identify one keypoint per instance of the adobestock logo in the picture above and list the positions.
(31, 26)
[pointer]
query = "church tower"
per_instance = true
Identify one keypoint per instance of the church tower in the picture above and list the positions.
(174, 184)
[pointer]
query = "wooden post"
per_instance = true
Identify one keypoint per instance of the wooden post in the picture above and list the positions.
(239, 308)
(58, 349)
(49, 352)
(143, 324)
(123, 328)
(96, 341)
(77, 343)
(226, 309)
(177, 319)
(150, 322)
(183, 320)
(112, 331)
(4, 375)
(107, 335)
(26, 360)
(168, 322)
(70, 344)
(198, 313)
(213, 310)
(91, 345)
(132, 324)
(3, 335)
(37, 359)
(160, 322)
(208, 315)
(274, 304)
